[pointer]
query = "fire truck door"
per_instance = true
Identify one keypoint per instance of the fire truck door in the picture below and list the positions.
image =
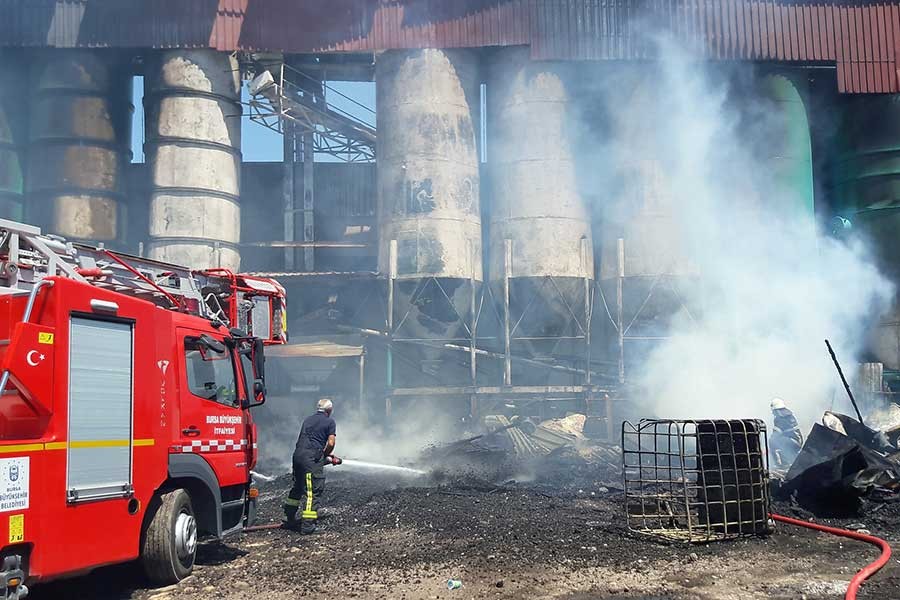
(100, 409)
(212, 421)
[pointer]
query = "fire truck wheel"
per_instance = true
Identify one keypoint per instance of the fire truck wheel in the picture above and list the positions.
(170, 543)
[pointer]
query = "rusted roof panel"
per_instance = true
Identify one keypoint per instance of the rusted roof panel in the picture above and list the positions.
(862, 38)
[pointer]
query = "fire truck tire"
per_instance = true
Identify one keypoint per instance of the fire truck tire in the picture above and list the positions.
(170, 542)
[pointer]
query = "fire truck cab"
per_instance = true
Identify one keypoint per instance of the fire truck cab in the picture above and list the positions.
(126, 429)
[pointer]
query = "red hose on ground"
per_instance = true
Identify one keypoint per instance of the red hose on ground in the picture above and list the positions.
(866, 571)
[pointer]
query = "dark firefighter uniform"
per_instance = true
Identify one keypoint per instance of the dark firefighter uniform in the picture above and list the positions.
(309, 472)
(786, 439)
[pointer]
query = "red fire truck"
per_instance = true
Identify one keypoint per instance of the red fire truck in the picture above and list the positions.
(125, 423)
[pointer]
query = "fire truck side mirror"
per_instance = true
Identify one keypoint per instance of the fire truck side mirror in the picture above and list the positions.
(259, 359)
(259, 394)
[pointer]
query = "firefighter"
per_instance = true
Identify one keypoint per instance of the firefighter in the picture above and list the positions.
(312, 453)
(786, 437)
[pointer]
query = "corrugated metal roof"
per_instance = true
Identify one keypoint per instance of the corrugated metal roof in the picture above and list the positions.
(862, 38)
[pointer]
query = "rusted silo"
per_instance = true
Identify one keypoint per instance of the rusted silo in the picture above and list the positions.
(13, 134)
(867, 191)
(79, 143)
(428, 186)
(193, 124)
(537, 206)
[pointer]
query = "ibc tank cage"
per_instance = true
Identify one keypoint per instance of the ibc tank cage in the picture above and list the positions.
(696, 480)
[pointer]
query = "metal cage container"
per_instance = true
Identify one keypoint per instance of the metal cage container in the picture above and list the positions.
(696, 481)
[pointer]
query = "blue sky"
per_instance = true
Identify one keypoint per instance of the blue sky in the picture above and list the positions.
(257, 142)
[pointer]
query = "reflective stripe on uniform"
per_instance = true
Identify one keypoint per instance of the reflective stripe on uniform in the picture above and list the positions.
(309, 513)
(291, 502)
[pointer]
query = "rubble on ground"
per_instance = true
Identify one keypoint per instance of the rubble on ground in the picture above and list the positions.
(514, 448)
(842, 462)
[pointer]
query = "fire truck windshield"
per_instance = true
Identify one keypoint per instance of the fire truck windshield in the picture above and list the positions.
(210, 374)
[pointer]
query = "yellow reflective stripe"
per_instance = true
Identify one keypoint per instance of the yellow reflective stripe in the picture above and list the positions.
(21, 448)
(309, 514)
(79, 444)
(291, 502)
(98, 443)
(309, 496)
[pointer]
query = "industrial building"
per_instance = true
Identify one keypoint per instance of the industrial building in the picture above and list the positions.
(454, 247)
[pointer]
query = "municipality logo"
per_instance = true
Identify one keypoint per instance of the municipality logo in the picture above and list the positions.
(14, 472)
(163, 365)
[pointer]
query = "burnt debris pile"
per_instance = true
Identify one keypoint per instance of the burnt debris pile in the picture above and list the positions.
(843, 467)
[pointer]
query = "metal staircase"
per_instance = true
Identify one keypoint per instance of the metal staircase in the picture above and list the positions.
(287, 96)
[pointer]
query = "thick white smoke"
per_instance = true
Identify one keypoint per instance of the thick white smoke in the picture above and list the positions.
(770, 289)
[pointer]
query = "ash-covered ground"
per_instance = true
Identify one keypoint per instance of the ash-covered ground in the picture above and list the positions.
(560, 535)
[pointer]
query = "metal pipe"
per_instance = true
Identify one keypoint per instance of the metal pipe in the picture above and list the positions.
(309, 229)
(507, 269)
(473, 321)
(844, 380)
(288, 192)
(620, 282)
(29, 306)
(362, 387)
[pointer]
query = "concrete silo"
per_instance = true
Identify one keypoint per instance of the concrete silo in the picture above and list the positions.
(79, 143)
(13, 134)
(192, 104)
(429, 214)
(541, 252)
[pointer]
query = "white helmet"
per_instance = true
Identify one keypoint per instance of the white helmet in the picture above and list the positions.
(324, 405)
(776, 404)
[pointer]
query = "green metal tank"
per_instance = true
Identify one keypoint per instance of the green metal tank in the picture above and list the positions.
(787, 153)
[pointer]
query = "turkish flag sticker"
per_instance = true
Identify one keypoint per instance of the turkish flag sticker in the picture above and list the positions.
(30, 359)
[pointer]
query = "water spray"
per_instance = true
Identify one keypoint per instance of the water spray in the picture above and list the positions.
(370, 466)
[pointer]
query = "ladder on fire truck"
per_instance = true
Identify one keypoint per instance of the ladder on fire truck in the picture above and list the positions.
(27, 256)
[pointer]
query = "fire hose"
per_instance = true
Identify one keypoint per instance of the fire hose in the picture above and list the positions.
(863, 573)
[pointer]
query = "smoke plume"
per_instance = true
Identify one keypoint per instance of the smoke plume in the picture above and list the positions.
(769, 289)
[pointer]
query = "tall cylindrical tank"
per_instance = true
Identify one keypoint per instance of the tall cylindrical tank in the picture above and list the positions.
(193, 140)
(786, 152)
(537, 203)
(867, 191)
(427, 171)
(13, 134)
(79, 143)
(428, 198)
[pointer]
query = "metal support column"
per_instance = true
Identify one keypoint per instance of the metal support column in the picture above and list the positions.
(588, 313)
(363, 416)
(309, 229)
(473, 320)
(392, 276)
(620, 282)
(507, 271)
(290, 160)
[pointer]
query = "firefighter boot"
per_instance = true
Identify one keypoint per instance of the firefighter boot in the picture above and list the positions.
(291, 506)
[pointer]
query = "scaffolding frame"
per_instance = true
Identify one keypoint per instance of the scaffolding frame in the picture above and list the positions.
(492, 395)
(657, 281)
